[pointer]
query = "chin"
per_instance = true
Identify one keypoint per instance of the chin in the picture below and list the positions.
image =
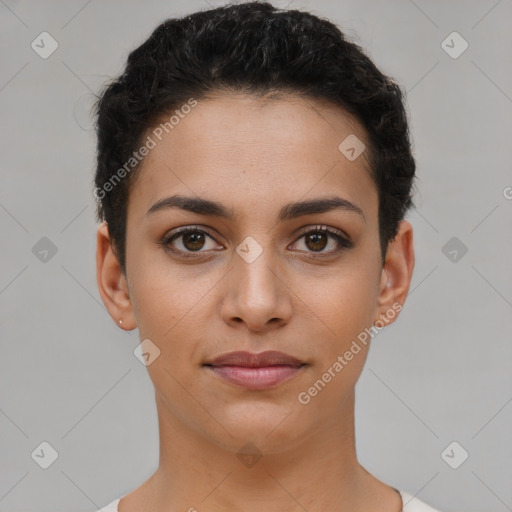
(269, 426)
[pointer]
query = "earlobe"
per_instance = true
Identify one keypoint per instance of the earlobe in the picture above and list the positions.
(397, 272)
(111, 281)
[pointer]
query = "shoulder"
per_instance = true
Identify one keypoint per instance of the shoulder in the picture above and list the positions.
(111, 507)
(413, 504)
(410, 504)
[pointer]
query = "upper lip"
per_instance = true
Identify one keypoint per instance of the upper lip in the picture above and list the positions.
(255, 360)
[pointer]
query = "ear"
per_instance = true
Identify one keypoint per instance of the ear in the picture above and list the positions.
(112, 284)
(396, 274)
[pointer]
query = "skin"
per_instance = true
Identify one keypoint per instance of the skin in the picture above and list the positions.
(254, 156)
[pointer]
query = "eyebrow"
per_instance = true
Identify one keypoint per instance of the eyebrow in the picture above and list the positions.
(290, 211)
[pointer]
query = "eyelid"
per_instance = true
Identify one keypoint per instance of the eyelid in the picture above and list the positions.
(325, 229)
(176, 233)
(186, 229)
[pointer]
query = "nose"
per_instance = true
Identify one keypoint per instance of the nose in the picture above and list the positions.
(256, 294)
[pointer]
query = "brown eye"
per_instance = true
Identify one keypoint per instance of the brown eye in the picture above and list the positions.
(193, 241)
(189, 240)
(316, 241)
(323, 241)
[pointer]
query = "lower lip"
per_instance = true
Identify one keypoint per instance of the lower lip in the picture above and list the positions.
(263, 377)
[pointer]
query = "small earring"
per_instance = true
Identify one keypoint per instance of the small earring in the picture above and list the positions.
(120, 322)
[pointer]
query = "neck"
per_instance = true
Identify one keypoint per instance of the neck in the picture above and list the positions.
(315, 473)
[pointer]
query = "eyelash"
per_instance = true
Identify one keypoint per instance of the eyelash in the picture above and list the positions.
(342, 241)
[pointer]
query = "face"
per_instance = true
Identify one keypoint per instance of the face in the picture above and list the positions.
(254, 272)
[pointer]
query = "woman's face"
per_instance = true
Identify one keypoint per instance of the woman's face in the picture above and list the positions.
(255, 280)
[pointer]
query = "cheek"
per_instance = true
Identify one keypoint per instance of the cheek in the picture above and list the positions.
(352, 309)
(168, 311)
(160, 293)
(343, 309)
(342, 313)
(346, 304)
(172, 309)
(164, 303)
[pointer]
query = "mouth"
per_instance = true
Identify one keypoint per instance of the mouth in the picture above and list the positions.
(255, 371)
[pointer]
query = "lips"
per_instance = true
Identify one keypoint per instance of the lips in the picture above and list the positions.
(250, 360)
(255, 371)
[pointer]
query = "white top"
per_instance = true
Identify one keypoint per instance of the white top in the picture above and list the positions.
(411, 504)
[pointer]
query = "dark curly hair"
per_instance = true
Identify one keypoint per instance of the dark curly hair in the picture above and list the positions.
(258, 49)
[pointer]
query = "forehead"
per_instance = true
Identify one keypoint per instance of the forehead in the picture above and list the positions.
(238, 149)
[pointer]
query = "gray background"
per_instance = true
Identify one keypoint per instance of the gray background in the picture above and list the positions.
(442, 373)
